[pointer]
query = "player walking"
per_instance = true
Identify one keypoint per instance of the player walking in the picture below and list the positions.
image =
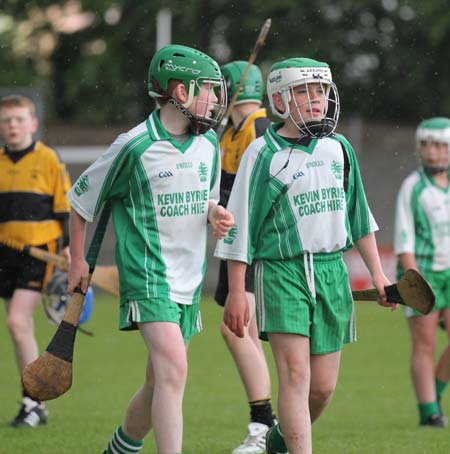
(163, 179)
(422, 242)
(34, 212)
(248, 121)
(298, 202)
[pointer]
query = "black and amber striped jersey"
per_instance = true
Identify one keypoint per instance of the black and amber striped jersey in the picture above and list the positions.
(33, 200)
(233, 144)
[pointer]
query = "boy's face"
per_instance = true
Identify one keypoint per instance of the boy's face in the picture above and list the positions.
(434, 154)
(206, 101)
(17, 126)
(308, 103)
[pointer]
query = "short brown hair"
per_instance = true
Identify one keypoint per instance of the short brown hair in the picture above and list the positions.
(18, 101)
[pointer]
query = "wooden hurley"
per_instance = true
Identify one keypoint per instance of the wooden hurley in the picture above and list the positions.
(411, 290)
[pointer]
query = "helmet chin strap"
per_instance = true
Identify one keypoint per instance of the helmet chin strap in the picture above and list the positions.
(195, 126)
(317, 129)
(435, 170)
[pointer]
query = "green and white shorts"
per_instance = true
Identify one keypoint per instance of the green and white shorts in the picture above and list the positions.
(440, 282)
(187, 316)
(285, 303)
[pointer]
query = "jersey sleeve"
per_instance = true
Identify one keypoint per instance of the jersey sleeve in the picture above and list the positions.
(60, 190)
(105, 178)
(404, 231)
(249, 205)
(214, 190)
(360, 218)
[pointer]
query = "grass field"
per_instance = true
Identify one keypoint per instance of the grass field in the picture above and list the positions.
(373, 410)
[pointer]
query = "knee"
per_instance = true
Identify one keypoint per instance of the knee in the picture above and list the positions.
(173, 374)
(296, 376)
(425, 348)
(321, 395)
(17, 328)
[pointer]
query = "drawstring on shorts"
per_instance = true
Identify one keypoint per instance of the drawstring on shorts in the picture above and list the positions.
(309, 273)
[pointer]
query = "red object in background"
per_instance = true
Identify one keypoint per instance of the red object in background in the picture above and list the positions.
(359, 276)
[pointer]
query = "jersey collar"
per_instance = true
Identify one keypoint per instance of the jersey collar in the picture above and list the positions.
(277, 143)
(157, 132)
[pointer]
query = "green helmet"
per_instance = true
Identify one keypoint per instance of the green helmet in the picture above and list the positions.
(437, 130)
(252, 87)
(175, 62)
(193, 68)
(290, 73)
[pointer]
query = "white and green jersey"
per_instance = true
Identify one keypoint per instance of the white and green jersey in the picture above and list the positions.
(289, 199)
(160, 190)
(422, 222)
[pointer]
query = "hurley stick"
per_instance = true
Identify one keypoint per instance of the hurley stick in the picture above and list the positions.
(259, 42)
(411, 290)
(50, 376)
(104, 277)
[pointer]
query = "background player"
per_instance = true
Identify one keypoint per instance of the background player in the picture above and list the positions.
(248, 121)
(35, 212)
(422, 242)
(298, 202)
(163, 178)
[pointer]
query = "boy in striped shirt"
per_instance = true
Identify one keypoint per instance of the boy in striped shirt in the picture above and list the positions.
(163, 179)
(298, 203)
(422, 242)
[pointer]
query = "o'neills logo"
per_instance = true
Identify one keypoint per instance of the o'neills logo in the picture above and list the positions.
(275, 79)
(184, 69)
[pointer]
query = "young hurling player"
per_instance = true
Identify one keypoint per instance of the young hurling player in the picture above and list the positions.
(298, 203)
(248, 121)
(163, 180)
(422, 242)
(34, 212)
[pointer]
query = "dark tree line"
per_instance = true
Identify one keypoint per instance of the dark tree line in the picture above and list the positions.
(389, 57)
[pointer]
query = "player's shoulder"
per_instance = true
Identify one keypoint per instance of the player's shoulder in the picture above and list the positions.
(47, 152)
(411, 182)
(132, 139)
(212, 137)
(341, 139)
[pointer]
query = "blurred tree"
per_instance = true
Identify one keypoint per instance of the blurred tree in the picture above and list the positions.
(389, 57)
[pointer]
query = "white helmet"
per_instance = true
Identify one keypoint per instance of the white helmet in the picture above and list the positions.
(293, 72)
(435, 129)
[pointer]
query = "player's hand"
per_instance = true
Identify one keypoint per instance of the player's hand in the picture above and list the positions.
(78, 275)
(236, 314)
(379, 282)
(65, 252)
(221, 220)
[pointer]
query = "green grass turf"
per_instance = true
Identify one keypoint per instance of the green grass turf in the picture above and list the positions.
(373, 409)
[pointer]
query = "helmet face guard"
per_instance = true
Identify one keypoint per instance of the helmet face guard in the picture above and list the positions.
(200, 74)
(433, 145)
(252, 86)
(313, 77)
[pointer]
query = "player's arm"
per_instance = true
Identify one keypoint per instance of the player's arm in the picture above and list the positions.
(79, 269)
(367, 247)
(408, 261)
(236, 313)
